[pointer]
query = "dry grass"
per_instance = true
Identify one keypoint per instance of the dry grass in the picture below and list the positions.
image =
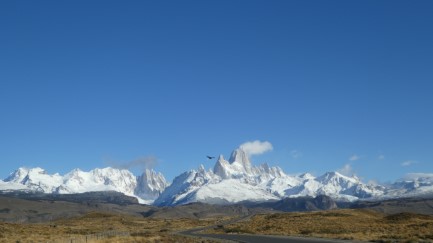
(139, 229)
(348, 224)
(338, 224)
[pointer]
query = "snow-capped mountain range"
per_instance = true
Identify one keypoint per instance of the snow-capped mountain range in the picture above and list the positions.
(146, 188)
(230, 181)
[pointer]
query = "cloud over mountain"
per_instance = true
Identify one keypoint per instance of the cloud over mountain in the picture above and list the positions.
(256, 147)
(142, 163)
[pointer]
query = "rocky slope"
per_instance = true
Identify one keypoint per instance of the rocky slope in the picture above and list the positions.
(230, 181)
(145, 188)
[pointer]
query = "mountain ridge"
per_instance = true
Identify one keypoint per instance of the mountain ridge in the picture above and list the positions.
(228, 182)
(78, 181)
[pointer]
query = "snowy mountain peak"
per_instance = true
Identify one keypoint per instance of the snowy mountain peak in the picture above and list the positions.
(231, 181)
(109, 171)
(23, 173)
(221, 168)
(240, 156)
(238, 180)
(330, 174)
(420, 177)
(18, 175)
(35, 179)
(238, 166)
(145, 187)
(336, 177)
(150, 185)
(37, 170)
(201, 168)
(412, 184)
(307, 176)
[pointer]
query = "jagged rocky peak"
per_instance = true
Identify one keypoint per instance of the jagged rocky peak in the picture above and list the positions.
(75, 173)
(329, 176)
(240, 156)
(201, 169)
(18, 175)
(153, 177)
(150, 185)
(35, 179)
(21, 173)
(238, 165)
(335, 176)
(111, 172)
(221, 167)
(272, 171)
(231, 181)
(146, 187)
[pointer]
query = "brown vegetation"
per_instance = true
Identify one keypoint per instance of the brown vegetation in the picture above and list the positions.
(129, 225)
(95, 225)
(365, 225)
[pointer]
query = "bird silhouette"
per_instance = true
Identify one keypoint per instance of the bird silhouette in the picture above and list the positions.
(210, 157)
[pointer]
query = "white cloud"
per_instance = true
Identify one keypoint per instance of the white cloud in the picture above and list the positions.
(408, 163)
(373, 183)
(256, 147)
(142, 163)
(413, 176)
(354, 157)
(295, 154)
(381, 157)
(347, 170)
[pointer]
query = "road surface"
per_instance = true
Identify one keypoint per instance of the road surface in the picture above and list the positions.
(251, 238)
(263, 238)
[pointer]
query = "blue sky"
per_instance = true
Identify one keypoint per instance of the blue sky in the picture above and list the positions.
(332, 85)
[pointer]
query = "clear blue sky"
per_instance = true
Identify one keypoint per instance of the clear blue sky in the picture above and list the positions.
(83, 83)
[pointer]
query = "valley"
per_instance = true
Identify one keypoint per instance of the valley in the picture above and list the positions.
(112, 217)
(233, 201)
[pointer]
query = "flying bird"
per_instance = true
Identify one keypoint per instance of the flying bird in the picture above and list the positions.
(210, 157)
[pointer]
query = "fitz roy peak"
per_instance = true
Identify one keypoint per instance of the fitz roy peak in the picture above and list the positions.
(236, 180)
(230, 181)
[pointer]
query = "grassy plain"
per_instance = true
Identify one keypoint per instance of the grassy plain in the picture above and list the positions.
(349, 224)
(97, 227)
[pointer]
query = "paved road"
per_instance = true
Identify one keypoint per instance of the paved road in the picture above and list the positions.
(252, 238)
(263, 238)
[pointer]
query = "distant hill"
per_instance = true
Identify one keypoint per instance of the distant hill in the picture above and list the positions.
(419, 205)
(86, 197)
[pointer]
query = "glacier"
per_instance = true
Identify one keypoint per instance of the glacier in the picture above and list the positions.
(236, 180)
(230, 181)
(145, 188)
